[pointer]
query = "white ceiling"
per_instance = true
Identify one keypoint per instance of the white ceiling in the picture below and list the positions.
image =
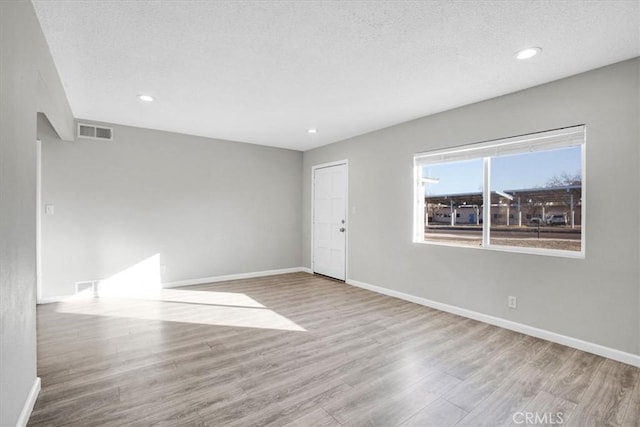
(265, 71)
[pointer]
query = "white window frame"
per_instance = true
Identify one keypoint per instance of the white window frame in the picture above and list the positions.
(540, 141)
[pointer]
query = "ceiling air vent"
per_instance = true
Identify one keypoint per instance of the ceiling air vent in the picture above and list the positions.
(95, 132)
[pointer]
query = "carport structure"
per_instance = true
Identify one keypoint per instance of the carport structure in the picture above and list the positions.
(511, 207)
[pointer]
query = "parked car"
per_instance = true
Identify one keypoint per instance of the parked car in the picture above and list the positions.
(536, 220)
(558, 219)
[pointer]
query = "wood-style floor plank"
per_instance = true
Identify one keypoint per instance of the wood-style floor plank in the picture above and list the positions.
(315, 418)
(498, 408)
(606, 400)
(574, 376)
(486, 381)
(302, 350)
(545, 409)
(632, 418)
(438, 413)
(389, 400)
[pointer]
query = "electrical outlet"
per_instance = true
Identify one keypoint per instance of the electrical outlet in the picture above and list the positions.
(513, 302)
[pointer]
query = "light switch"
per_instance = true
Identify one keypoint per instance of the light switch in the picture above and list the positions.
(49, 209)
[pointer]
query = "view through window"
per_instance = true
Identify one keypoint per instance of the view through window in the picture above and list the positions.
(523, 194)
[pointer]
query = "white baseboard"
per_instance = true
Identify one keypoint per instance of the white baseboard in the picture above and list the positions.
(214, 279)
(600, 350)
(51, 300)
(29, 404)
(200, 281)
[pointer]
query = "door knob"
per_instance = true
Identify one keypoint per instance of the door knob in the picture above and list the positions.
(342, 229)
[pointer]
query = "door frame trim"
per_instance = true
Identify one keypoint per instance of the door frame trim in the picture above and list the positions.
(344, 162)
(38, 220)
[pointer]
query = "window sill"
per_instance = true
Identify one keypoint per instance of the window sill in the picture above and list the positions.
(512, 249)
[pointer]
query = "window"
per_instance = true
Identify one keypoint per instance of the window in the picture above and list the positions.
(521, 194)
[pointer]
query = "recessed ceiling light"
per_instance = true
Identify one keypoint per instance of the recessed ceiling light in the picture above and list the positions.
(529, 52)
(312, 131)
(146, 98)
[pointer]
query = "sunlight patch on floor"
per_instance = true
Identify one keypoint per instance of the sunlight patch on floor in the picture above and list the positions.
(170, 311)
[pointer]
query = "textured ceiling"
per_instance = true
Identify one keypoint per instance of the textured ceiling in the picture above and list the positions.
(265, 71)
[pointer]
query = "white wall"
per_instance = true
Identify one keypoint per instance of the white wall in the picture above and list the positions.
(596, 299)
(208, 207)
(28, 83)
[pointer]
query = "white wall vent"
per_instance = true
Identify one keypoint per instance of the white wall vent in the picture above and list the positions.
(101, 133)
(87, 288)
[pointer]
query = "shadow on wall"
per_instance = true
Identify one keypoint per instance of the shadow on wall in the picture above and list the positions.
(137, 293)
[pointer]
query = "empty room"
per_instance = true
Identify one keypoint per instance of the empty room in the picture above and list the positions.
(319, 213)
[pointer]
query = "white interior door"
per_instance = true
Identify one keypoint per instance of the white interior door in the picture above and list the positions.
(330, 220)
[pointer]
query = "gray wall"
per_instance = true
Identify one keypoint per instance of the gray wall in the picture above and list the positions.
(28, 83)
(596, 299)
(208, 207)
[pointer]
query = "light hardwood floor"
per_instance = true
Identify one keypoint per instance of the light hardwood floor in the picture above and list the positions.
(302, 350)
